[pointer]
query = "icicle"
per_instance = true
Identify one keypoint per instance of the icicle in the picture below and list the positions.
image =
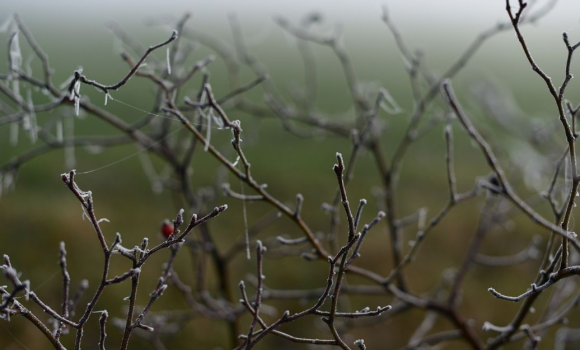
(77, 97)
(15, 53)
(16, 62)
(8, 180)
(28, 65)
(106, 98)
(77, 106)
(33, 131)
(16, 88)
(75, 94)
(208, 131)
(26, 122)
(168, 62)
(422, 218)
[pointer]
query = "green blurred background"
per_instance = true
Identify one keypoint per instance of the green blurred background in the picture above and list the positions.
(40, 212)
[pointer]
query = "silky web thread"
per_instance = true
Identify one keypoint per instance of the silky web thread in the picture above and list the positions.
(13, 336)
(109, 97)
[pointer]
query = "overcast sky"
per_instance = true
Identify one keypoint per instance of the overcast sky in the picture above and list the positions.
(433, 25)
(416, 11)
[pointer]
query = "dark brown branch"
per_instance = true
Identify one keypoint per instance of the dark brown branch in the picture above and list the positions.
(132, 72)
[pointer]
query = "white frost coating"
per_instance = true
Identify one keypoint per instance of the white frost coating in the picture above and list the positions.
(103, 220)
(168, 62)
(26, 290)
(120, 249)
(237, 161)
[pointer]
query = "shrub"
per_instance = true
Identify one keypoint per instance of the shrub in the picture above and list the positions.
(180, 127)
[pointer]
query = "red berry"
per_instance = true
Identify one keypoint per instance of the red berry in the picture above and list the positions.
(166, 228)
